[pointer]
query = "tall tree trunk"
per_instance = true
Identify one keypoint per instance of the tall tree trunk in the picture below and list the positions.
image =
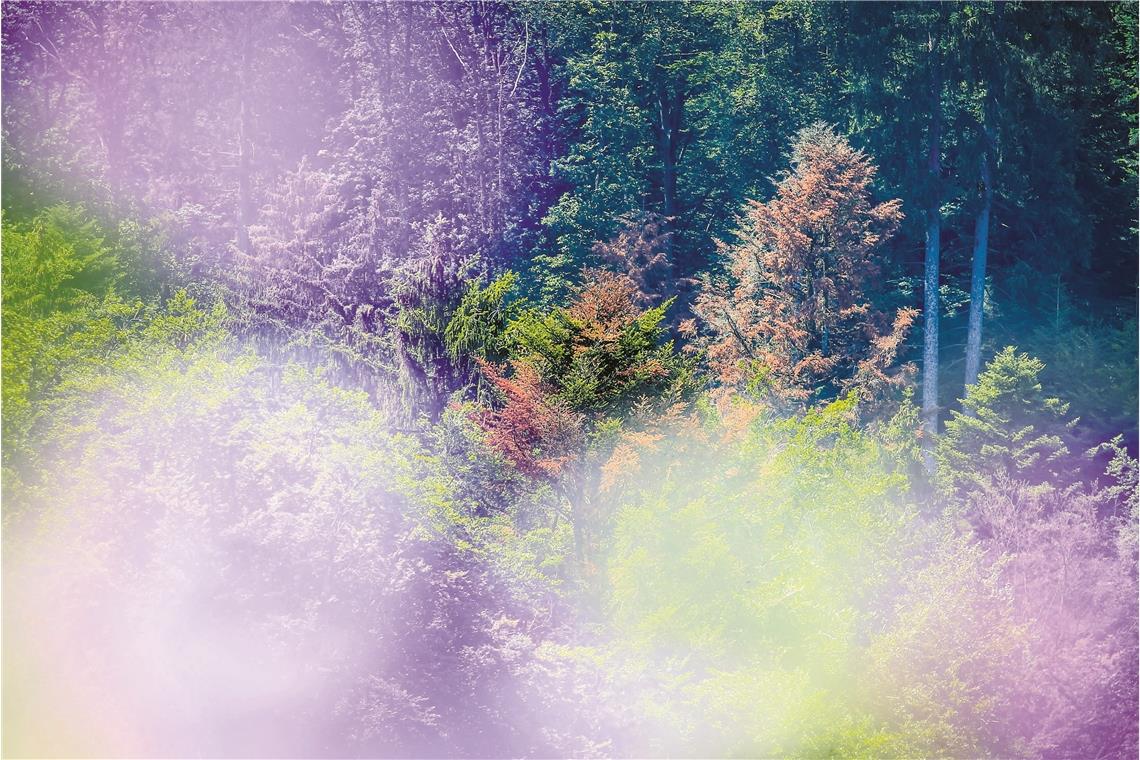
(978, 275)
(578, 516)
(670, 117)
(931, 299)
(113, 143)
(245, 200)
(106, 79)
(670, 106)
(825, 324)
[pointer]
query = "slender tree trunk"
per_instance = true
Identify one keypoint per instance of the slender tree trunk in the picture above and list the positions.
(931, 300)
(245, 200)
(577, 499)
(824, 318)
(978, 275)
(931, 307)
(113, 142)
(668, 130)
(669, 126)
(106, 80)
(825, 343)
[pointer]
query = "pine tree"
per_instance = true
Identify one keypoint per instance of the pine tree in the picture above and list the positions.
(1008, 428)
(794, 315)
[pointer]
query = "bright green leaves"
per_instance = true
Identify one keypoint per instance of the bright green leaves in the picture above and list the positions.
(66, 319)
(755, 566)
(59, 311)
(478, 326)
(602, 355)
(609, 162)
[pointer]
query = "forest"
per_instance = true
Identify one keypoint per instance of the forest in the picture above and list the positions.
(570, 379)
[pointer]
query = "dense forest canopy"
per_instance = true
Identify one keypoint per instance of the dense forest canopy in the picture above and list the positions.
(570, 379)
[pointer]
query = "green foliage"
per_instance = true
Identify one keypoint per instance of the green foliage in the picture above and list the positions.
(580, 376)
(68, 310)
(196, 489)
(609, 376)
(478, 326)
(578, 555)
(777, 580)
(678, 109)
(1097, 365)
(751, 570)
(483, 504)
(1008, 426)
(938, 672)
(602, 75)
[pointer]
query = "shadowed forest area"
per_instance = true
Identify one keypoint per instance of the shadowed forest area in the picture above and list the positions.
(570, 379)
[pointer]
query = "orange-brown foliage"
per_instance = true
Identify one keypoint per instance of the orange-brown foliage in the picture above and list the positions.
(532, 430)
(605, 305)
(794, 309)
(640, 251)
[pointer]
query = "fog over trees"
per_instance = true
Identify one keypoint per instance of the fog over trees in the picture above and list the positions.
(497, 379)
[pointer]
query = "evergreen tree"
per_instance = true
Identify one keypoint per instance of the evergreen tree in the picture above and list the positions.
(1008, 427)
(795, 317)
